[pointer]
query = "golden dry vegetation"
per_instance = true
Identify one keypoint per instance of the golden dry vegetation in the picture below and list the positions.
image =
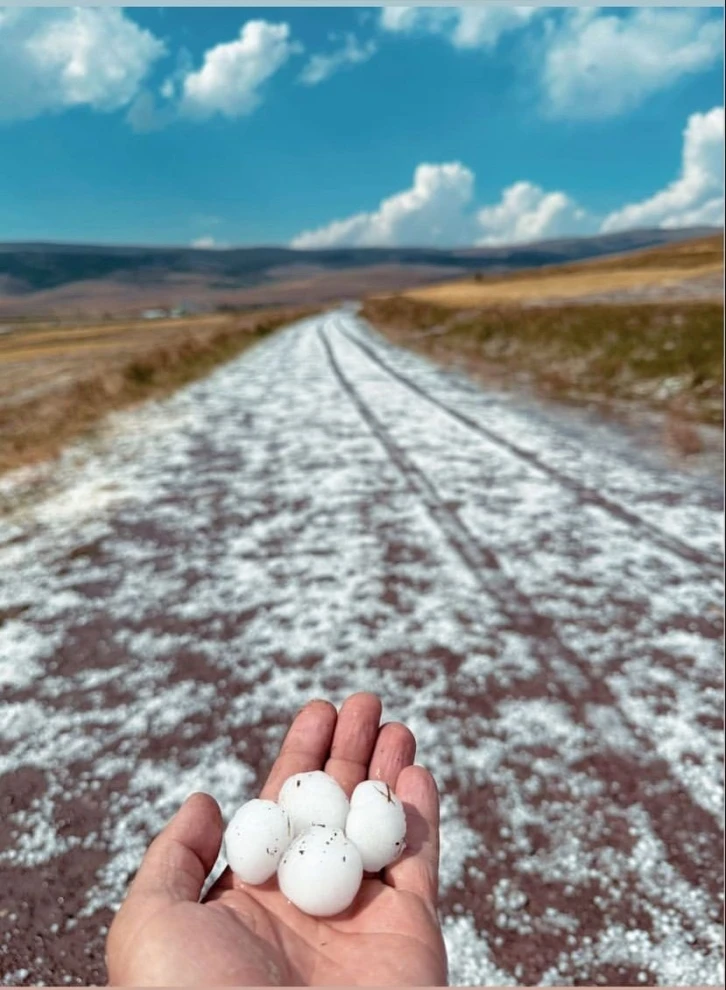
(665, 355)
(676, 269)
(57, 380)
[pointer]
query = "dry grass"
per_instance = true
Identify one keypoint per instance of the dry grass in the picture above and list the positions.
(701, 252)
(663, 267)
(56, 382)
(665, 356)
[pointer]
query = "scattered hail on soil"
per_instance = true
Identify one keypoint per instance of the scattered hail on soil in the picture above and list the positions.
(533, 596)
(321, 842)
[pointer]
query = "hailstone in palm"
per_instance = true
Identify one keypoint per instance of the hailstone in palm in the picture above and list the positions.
(319, 842)
(376, 824)
(321, 871)
(313, 798)
(255, 839)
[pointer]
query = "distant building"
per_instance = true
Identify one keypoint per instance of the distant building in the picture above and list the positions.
(154, 314)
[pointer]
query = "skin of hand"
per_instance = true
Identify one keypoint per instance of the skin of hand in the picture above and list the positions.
(246, 935)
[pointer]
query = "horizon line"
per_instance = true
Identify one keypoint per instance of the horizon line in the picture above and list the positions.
(277, 246)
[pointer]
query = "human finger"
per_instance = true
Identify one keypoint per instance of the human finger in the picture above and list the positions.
(306, 745)
(395, 749)
(417, 871)
(354, 740)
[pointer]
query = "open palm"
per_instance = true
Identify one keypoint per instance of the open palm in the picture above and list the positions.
(245, 935)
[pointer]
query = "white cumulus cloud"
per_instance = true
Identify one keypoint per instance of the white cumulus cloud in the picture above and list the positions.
(351, 52)
(438, 210)
(206, 242)
(432, 211)
(696, 197)
(230, 79)
(54, 58)
(600, 64)
(464, 27)
(587, 63)
(482, 27)
(400, 18)
(527, 213)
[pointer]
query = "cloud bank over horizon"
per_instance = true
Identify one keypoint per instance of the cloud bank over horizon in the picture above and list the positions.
(438, 209)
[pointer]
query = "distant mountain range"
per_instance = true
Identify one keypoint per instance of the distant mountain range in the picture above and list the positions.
(42, 278)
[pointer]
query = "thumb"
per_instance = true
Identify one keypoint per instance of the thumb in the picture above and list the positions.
(179, 859)
(172, 871)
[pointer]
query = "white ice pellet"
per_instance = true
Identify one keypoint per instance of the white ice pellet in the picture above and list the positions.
(255, 840)
(376, 824)
(321, 871)
(313, 798)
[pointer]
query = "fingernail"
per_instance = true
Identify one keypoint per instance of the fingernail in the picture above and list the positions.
(307, 705)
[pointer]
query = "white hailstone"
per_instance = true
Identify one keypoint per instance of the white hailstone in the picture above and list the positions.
(376, 824)
(255, 839)
(313, 798)
(321, 871)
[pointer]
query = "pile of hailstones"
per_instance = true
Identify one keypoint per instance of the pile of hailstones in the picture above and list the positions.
(319, 843)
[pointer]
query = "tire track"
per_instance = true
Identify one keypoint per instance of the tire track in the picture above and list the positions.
(261, 546)
(486, 569)
(586, 495)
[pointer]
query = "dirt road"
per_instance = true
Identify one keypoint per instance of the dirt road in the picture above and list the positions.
(539, 602)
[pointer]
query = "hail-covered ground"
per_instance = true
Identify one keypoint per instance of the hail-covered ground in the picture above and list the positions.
(538, 601)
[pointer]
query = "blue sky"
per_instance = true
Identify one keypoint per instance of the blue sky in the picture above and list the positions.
(330, 126)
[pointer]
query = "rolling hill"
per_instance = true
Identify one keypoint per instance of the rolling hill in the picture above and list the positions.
(41, 279)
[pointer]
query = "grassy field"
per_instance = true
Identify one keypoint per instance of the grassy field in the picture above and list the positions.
(57, 381)
(661, 356)
(673, 267)
(661, 353)
(536, 327)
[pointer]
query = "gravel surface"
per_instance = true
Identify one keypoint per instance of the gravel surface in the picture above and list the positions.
(537, 600)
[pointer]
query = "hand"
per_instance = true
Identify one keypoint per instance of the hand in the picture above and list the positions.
(243, 935)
